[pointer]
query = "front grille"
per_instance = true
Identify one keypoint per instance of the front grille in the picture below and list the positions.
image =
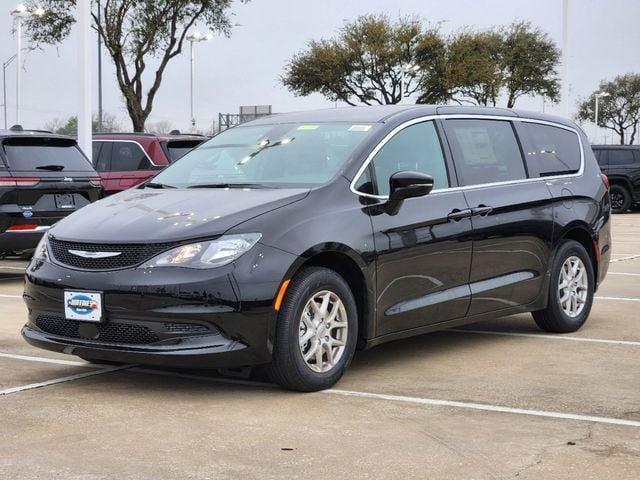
(130, 255)
(172, 327)
(110, 332)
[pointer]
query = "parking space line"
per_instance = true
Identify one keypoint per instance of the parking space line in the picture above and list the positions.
(70, 378)
(368, 395)
(546, 337)
(619, 299)
(2, 295)
(50, 360)
(624, 273)
(623, 259)
(485, 407)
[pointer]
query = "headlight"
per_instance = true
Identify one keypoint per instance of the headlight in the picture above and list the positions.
(41, 253)
(212, 254)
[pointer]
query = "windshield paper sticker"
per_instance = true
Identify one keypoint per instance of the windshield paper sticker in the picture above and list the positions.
(359, 128)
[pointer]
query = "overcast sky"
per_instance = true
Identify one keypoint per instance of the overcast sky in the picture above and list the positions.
(244, 69)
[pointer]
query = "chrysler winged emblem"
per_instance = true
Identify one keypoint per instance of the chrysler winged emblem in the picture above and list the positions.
(83, 254)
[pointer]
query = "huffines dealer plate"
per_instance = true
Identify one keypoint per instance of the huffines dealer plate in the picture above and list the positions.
(85, 306)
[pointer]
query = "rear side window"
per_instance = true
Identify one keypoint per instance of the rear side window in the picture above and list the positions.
(551, 150)
(416, 148)
(620, 157)
(128, 156)
(485, 151)
(33, 154)
(178, 148)
(601, 157)
(101, 156)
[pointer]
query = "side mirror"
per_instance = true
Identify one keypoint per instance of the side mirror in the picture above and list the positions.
(403, 185)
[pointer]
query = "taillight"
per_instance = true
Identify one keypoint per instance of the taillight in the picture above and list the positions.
(22, 228)
(96, 182)
(605, 180)
(19, 181)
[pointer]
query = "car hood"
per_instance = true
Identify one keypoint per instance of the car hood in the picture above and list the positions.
(146, 215)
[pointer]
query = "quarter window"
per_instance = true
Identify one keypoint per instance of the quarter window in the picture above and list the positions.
(485, 151)
(128, 156)
(552, 150)
(415, 148)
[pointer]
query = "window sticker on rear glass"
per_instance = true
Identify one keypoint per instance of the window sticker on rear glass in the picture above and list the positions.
(308, 127)
(359, 128)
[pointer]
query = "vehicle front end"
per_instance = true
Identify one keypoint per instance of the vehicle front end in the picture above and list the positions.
(156, 303)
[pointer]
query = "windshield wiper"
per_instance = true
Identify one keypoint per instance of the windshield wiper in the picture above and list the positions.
(228, 185)
(51, 168)
(157, 185)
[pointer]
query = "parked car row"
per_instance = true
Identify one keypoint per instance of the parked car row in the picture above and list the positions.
(44, 176)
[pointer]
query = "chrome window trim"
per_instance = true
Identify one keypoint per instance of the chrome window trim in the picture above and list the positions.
(130, 141)
(428, 118)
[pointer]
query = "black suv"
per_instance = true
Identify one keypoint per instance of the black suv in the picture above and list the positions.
(43, 178)
(621, 164)
(290, 241)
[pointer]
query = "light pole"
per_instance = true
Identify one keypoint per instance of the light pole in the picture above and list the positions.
(193, 38)
(599, 95)
(18, 14)
(4, 87)
(406, 68)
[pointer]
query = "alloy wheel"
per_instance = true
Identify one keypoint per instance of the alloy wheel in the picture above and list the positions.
(323, 331)
(617, 200)
(573, 286)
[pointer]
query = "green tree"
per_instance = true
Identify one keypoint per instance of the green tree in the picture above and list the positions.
(620, 111)
(472, 70)
(135, 32)
(363, 64)
(70, 126)
(528, 63)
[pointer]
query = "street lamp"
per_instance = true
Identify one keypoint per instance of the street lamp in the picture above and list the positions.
(599, 95)
(193, 38)
(406, 68)
(4, 87)
(18, 14)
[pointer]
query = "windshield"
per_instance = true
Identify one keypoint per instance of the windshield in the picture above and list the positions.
(272, 155)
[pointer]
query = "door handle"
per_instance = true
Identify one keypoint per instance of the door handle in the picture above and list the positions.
(456, 215)
(482, 210)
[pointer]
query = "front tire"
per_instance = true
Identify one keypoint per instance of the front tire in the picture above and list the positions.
(620, 199)
(570, 290)
(316, 332)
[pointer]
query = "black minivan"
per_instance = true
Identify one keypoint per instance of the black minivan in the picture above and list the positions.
(291, 241)
(43, 178)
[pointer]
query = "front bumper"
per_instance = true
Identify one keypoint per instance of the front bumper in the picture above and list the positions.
(177, 317)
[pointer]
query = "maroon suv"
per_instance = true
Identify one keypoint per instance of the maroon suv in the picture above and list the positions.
(123, 160)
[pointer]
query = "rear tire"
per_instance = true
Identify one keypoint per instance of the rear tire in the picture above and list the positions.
(620, 199)
(316, 332)
(570, 290)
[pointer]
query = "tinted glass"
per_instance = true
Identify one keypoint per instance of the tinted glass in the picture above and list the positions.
(554, 150)
(620, 157)
(179, 148)
(485, 151)
(415, 148)
(286, 154)
(101, 153)
(30, 153)
(128, 156)
(601, 157)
